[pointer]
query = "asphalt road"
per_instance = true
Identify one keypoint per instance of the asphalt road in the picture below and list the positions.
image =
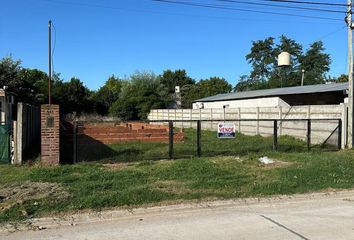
(314, 216)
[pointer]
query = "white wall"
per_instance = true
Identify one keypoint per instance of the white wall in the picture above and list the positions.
(320, 129)
(249, 103)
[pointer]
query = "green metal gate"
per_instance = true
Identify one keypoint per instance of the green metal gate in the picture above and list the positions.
(5, 131)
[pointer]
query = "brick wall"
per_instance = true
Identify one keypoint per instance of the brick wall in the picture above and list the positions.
(124, 132)
(50, 134)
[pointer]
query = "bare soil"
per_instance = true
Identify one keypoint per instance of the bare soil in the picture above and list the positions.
(13, 194)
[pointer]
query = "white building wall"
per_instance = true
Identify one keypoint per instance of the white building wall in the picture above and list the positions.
(245, 103)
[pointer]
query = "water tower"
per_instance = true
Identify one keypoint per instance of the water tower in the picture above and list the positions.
(284, 61)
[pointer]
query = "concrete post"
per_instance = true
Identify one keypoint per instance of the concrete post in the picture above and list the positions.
(211, 119)
(19, 135)
(182, 118)
(200, 115)
(14, 126)
(239, 118)
(308, 114)
(344, 117)
(280, 116)
(190, 117)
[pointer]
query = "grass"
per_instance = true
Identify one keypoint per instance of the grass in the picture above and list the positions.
(99, 186)
(211, 146)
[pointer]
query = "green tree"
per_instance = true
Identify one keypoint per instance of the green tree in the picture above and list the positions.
(142, 93)
(248, 84)
(262, 57)
(342, 78)
(107, 94)
(34, 86)
(170, 79)
(288, 75)
(9, 69)
(266, 74)
(29, 85)
(315, 63)
(205, 88)
(72, 96)
(213, 86)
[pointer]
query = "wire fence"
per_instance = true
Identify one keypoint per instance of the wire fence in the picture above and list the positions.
(167, 140)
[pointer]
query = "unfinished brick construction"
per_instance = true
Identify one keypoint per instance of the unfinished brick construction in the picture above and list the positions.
(50, 134)
(110, 133)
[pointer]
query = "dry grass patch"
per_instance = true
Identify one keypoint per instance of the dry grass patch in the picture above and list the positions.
(171, 186)
(13, 194)
(276, 164)
(226, 159)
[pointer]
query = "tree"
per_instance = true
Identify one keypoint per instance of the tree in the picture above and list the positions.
(72, 96)
(170, 79)
(262, 58)
(29, 85)
(107, 94)
(247, 84)
(34, 86)
(342, 78)
(315, 63)
(142, 93)
(9, 69)
(288, 75)
(213, 86)
(266, 74)
(205, 88)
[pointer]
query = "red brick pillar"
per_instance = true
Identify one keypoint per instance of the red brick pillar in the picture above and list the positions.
(50, 134)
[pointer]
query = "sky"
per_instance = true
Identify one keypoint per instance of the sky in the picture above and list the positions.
(95, 39)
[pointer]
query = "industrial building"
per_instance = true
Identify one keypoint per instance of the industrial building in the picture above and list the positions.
(321, 94)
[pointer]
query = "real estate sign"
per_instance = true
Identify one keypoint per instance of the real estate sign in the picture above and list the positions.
(226, 130)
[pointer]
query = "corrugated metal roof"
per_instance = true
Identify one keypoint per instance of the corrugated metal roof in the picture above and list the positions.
(319, 88)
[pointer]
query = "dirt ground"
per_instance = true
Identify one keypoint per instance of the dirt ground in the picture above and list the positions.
(13, 194)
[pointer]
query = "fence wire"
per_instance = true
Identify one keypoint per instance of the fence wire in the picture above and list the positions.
(200, 140)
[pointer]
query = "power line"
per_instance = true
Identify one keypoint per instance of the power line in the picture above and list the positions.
(311, 3)
(112, 8)
(325, 36)
(282, 6)
(222, 7)
(331, 33)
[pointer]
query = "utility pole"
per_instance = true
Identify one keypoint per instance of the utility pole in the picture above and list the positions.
(49, 61)
(349, 21)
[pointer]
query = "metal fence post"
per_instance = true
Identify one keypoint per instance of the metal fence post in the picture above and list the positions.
(75, 142)
(308, 134)
(199, 147)
(339, 134)
(275, 135)
(170, 139)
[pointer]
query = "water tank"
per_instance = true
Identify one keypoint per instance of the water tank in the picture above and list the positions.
(284, 59)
